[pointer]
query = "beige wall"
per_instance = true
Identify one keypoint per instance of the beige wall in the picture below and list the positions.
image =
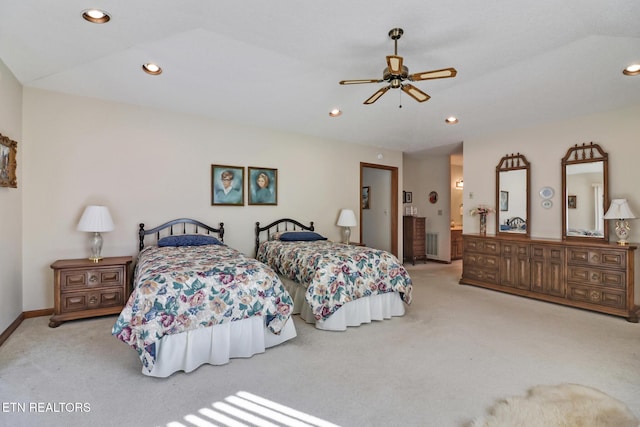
(11, 204)
(152, 166)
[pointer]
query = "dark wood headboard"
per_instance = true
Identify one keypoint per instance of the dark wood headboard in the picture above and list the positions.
(182, 226)
(284, 224)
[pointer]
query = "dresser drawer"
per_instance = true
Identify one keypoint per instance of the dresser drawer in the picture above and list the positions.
(481, 274)
(597, 277)
(482, 245)
(597, 257)
(78, 301)
(596, 295)
(72, 280)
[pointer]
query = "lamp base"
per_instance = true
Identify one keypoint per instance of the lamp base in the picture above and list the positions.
(347, 234)
(622, 231)
(96, 247)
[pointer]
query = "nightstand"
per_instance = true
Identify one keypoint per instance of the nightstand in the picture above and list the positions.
(83, 288)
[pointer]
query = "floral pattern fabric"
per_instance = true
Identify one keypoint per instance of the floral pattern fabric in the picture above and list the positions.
(177, 289)
(336, 273)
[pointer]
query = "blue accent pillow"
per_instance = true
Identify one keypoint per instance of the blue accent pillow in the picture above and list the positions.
(301, 236)
(189, 240)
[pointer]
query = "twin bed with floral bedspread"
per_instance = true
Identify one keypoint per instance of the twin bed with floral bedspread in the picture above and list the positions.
(334, 285)
(196, 300)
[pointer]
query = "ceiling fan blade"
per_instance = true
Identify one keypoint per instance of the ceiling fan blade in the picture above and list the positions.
(415, 93)
(435, 74)
(357, 82)
(373, 98)
(395, 64)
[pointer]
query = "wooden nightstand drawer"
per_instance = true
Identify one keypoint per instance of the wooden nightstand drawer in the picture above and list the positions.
(75, 301)
(83, 288)
(81, 279)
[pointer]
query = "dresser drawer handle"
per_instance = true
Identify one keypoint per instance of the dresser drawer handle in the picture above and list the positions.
(93, 300)
(93, 278)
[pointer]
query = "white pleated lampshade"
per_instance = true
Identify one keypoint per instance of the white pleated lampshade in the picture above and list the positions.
(96, 219)
(619, 209)
(347, 218)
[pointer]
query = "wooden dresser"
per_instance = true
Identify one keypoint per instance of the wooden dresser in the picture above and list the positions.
(456, 244)
(592, 276)
(414, 236)
(83, 288)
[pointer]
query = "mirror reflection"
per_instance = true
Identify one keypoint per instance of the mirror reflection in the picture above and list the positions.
(585, 192)
(512, 195)
(585, 199)
(512, 207)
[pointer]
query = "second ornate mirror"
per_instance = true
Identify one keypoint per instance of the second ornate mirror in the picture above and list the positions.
(512, 196)
(585, 193)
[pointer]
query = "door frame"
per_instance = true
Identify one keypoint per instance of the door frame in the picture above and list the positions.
(394, 202)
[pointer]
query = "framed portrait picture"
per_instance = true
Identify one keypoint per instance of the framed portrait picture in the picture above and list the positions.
(263, 186)
(407, 197)
(572, 202)
(366, 192)
(227, 185)
(504, 200)
(8, 162)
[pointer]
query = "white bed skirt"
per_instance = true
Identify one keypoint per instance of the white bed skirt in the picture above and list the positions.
(353, 313)
(215, 345)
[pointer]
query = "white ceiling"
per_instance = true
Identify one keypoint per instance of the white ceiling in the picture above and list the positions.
(277, 64)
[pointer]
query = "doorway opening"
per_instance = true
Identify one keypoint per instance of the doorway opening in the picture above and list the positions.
(379, 212)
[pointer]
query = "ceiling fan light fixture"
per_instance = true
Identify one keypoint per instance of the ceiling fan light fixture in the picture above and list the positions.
(336, 112)
(632, 70)
(396, 73)
(96, 16)
(451, 120)
(151, 68)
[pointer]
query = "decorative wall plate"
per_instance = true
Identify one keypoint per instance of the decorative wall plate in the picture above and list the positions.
(546, 192)
(433, 196)
(546, 203)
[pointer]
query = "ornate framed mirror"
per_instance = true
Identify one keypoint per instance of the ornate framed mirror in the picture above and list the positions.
(585, 193)
(512, 196)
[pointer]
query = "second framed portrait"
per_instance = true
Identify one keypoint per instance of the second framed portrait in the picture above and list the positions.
(227, 185)
(262, 186)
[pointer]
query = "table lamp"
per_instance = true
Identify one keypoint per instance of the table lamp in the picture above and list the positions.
(347, 219)
(96, 220)
(620, 211)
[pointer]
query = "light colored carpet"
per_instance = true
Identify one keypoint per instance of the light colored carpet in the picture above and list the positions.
(563, 405)
(451, 357)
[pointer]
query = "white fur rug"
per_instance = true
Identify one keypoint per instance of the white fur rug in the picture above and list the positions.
(564, 405)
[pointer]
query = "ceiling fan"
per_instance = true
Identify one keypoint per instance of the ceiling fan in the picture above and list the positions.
(396, 73)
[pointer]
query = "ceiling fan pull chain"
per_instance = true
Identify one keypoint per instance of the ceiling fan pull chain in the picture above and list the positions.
(400, 96)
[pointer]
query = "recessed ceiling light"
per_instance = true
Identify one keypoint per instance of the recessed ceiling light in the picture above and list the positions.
(451, 120)
(632, 70)
(96, 16)
(151, 68)
(335, 112)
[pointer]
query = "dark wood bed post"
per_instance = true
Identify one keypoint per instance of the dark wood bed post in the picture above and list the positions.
(141, 237)
(257, 239)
